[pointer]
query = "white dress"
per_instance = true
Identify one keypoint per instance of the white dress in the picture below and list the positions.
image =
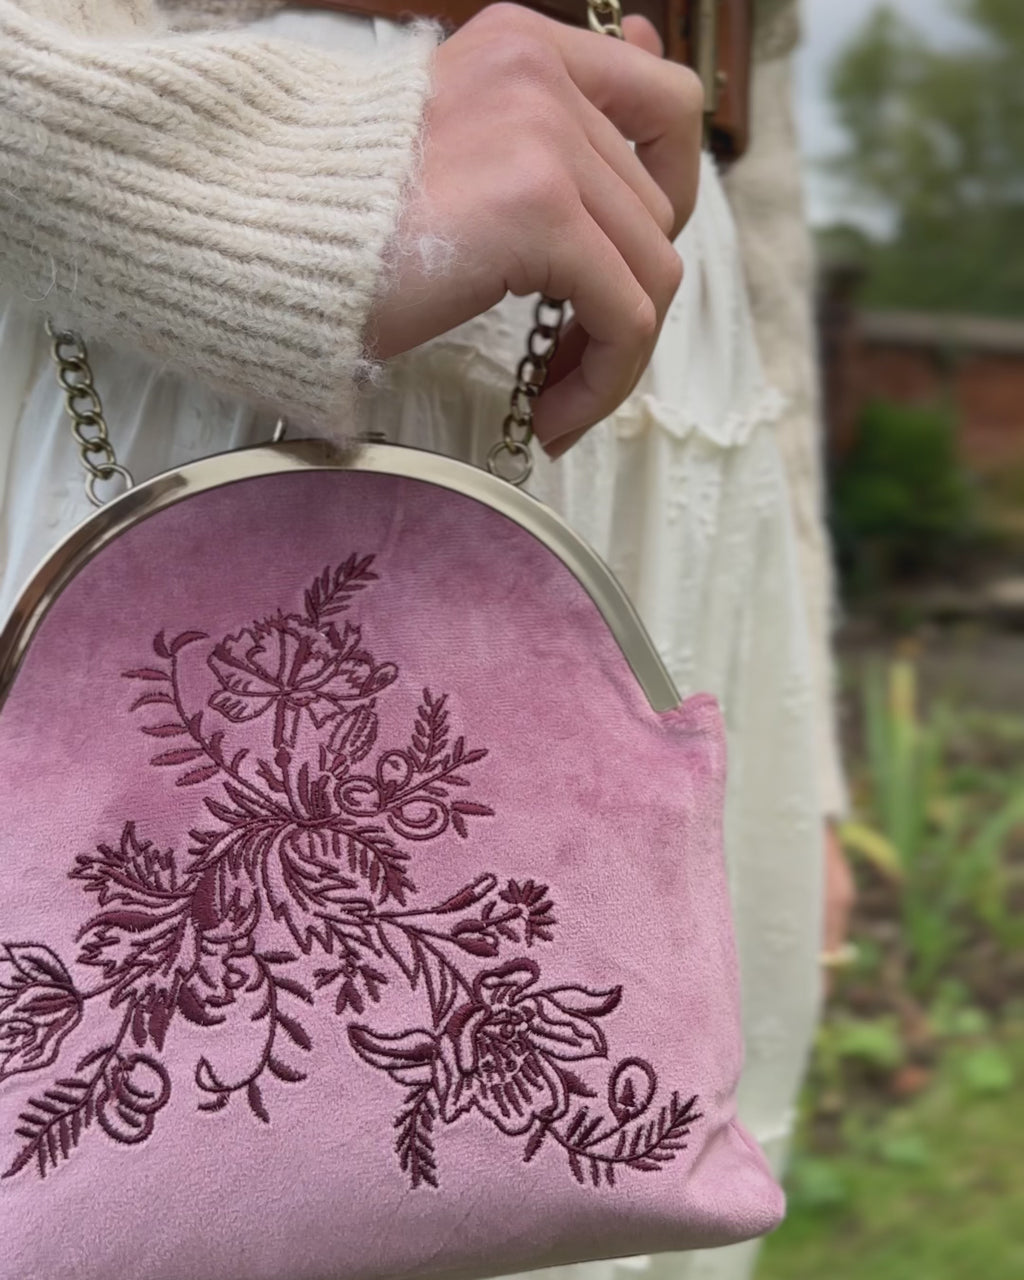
(683, 492)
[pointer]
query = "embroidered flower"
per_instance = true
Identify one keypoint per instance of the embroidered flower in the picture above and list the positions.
(500, 1052)
(39, 1006)
(288, 664)
(536, 906)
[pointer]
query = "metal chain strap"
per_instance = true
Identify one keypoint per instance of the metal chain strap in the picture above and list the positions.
(85, 409)
(510, 459)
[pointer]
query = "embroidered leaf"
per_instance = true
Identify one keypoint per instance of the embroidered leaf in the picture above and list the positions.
(348, 997)
(92, 1058)
(284, 1072)
(441, 980)
(186, 638)
(574, 1085)
(296, 1031)
(475, 939)
(181, 755)
(157, 698)
(32, 965)
(202, 774)
(331, 593)
(414, 1142)
(255, 1100)
(294, 988)
(376, 857)
(402, 948)
(170, 730)
(217, 1103)
(468, 896)
(136, 872)
(469, 808)
(324, 977)
(270, 778)
(533, 1144)
(206, 1078)
(129, 921)
(407, 1057)
(463, 808)
(147, 673)
(194, 1010)
(52, 1125)
(657, 1142)
(578, 1121)
(374, 980)
(430, 732)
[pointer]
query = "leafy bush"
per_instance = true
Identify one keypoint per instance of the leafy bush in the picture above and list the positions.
(902, 504)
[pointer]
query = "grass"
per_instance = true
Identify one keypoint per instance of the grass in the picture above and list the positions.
(909, 1163)
(933, 1189)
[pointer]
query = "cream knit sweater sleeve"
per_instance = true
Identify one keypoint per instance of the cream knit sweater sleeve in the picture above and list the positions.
(218, 201)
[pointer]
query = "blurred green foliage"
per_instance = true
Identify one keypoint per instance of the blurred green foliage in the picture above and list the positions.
(948, 814)
(936, 145)
(929, 1189)
(902, 505)
(907, 1160)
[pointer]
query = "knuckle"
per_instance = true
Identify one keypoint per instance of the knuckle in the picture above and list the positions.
(522, 56)
(538, 190)
(673, 270)
(503, 16)
(643, 323)
(664, 212)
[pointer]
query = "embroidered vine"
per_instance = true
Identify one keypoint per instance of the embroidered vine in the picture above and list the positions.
(300, 888)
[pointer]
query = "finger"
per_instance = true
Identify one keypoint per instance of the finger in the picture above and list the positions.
(563, 444)
(654, 102)
(619, 319)
(642, 32)
(616, 152)
(625, 220)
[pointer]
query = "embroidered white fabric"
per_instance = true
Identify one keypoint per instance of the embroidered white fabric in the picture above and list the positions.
(682, 490)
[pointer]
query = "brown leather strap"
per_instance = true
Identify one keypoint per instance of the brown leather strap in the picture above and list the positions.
(727, 27)
(456, 12)
(715, 35)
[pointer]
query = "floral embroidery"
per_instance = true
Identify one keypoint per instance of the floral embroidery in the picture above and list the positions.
(300, 889)
(39, 1006)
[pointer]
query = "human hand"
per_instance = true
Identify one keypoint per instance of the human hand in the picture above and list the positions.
(528, 172)
(840, 896)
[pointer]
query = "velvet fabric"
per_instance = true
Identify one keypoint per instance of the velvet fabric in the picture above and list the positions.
(360, 918)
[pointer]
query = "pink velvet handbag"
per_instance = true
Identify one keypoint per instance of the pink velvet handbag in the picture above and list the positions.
(365, 914)
(364, 908)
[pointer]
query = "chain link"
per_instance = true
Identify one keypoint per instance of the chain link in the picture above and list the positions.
(85, 409)
(511, 458)
(605, 17)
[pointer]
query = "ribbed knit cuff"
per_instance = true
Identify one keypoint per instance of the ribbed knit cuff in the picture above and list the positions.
(218, 201)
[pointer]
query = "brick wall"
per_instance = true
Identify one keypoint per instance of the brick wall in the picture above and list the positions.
(977, 364)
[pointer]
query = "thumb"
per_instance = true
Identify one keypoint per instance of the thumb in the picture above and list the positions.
(643, 33)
